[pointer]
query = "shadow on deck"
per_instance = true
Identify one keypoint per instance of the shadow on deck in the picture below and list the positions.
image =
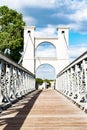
(14, 117)
(44, 110)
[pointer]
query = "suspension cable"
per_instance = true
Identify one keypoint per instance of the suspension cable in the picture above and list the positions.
(23, 52)
(26, 49)
(65, 40)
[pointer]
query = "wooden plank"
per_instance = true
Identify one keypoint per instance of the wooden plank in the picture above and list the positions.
(48, 110)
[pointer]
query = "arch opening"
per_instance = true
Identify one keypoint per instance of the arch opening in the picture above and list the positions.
(45, 49)
(46, 71)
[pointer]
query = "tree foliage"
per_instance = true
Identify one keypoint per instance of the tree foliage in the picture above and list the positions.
(39, 81)
(11, 32)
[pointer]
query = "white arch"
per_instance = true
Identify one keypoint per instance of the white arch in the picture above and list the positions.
(53, 73)
(45, 42)
(60, 42)
(45, 64)
(46, 52)
(40, 40)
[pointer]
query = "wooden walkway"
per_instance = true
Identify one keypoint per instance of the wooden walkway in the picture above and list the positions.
(46, 110)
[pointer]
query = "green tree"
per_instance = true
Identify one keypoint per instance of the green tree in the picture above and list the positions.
(11, 32)
(39, 81)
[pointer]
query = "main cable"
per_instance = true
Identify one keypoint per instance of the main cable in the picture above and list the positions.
(23, 52)
(26, 49)
(65, 40)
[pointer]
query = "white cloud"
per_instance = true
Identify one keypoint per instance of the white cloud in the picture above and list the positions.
(17, 4)
(77, 50)
(74, 11)
(49, 31)
(30, 20)
(79, 15)
(76, 4)
(14, 5)
(75, 26)
(70, 4)
(41, 3)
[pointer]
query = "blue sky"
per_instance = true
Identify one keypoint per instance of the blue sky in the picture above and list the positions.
(47, 15)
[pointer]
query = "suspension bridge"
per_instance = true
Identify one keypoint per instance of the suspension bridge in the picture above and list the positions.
(23, 107)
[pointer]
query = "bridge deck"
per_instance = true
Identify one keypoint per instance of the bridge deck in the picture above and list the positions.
(48, 110)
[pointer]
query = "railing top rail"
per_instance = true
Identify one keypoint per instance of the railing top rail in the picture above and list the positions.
(76, 61)
(9, 61)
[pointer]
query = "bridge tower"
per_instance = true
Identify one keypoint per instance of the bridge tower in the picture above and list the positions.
(31, 42)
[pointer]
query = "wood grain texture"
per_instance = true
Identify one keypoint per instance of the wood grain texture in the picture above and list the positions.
(48, 110)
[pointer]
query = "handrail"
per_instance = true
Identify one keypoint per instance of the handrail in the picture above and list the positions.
(15, 82)
(6, 59)
(72, 80)
(77, 60)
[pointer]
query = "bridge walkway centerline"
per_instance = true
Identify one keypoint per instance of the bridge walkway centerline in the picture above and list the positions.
(44, 110)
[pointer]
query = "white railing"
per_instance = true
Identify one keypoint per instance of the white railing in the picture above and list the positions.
(15, 81)
(72, 80)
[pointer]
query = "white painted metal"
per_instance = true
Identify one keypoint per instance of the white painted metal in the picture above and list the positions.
(15, 81)
(31, 62)
(72, 80)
